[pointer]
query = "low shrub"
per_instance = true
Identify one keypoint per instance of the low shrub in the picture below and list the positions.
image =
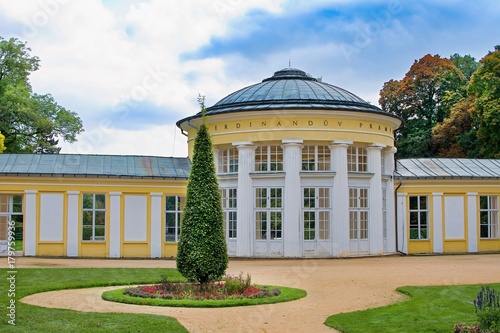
(487, 305)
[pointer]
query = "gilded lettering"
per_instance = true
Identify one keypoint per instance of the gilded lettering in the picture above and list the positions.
(295, 123)
(310, 122)
(360, 125)
(379, 127)
(263, 124)
(215, 127)
(371, 125)
(340, 123)
(325, 123)
(278, 123)
(250, 124)
(238, 125)
(225, 126)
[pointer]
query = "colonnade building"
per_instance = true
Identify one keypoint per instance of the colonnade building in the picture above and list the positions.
(305, 169)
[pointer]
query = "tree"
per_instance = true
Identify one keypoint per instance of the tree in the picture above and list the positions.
(467, 64)
(31, 123)
(202, 253)
(456, 135)
(423, 98)
(485, 87)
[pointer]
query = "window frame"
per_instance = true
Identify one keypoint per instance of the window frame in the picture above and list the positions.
(94, 210)
(419, 211)
(359, 213)
(12, 214)
(316, 158)
(491, 214)
(177, 213)
(316, 203)
(269, 158)
(357, 159)
(229, 197)
(268, 212)
(227, 160)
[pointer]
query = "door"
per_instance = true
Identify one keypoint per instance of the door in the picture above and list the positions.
(358, 221)
(268, 222)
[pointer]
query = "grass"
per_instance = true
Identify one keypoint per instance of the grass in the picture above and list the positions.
(19, 245)
(287, 294)
(38, 319)
(429, 309)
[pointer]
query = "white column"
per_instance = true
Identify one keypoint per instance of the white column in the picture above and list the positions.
(244, 200)
(437, 222)
(390, 201)
(115, 224)
(72, 240)
(472, 222)
(401, 222)
(30, 225)
(292, 156)
(340, 227)
(375, 222)
(156, 234)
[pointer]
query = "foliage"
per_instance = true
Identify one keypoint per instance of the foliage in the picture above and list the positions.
(487, 305)
(423, 98)
(202, 252)
(31, 123)
(430, 309)
(484, 87)
(467, 64)
(31, 318)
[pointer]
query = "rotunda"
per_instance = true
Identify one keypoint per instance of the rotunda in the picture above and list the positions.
(305, 169)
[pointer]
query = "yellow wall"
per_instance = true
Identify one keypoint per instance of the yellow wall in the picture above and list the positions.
(450, 187)
(19, 184)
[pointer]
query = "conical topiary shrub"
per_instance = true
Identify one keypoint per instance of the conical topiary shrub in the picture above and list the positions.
(202, 252)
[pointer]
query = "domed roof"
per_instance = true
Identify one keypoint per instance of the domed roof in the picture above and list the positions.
(290, 88)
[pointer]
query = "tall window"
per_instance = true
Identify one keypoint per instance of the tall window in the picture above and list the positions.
(227, 160)
(11, 214)
(357, 160)
(173, 217)
(419, 217)
(488, 211)
(316, 158)
(316, 213)
(269, 158)
(229, 196)
(94, 217)
(268, 213)
(358, 213)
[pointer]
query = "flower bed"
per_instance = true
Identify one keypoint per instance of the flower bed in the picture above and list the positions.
(231, 287)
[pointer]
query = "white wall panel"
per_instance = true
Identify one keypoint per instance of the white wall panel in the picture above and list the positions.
(51, 217)
(135, 218)
(454, 217)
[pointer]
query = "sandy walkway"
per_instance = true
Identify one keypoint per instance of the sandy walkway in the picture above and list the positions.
(333, 286)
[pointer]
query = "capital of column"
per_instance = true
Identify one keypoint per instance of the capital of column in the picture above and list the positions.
(392, 150)
(340, 143)
(243, 144)
(376, 146)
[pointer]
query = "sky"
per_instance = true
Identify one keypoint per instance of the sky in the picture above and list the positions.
(131, 68)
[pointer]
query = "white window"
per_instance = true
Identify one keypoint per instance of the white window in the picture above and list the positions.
(173, 217)
(316, 212)
(227, 160)
(11, 214)
(357, 160)
(358, 213)
(94, 217)
(316, 158)
(268, 213)
(488, 211)
(419, 217)
(269, 158)
(229, 200)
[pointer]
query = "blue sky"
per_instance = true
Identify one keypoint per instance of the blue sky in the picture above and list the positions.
(131, 68)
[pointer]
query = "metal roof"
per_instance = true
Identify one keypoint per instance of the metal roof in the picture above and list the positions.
(290, 88)
(94, 165)
(437, 168)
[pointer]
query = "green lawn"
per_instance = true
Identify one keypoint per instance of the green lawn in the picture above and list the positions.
(429, 309)
(37, 319)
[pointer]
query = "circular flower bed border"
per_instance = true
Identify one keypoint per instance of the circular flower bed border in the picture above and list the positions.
(286, 295)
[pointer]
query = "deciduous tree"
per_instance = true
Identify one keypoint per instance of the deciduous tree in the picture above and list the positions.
(31, 123)
(423, 98)
(202, 253)
(485, 87)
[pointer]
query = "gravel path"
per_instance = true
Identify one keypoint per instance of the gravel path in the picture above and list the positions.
(333, 286)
